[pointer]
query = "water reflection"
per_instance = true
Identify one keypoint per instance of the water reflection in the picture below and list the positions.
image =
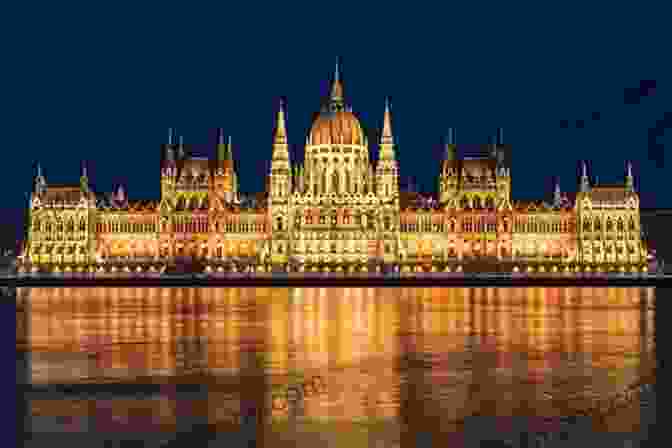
(383, 363)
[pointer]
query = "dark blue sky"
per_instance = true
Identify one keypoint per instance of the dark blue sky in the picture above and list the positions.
(104, 84)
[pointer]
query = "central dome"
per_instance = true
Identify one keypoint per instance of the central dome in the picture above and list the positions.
(335, 127)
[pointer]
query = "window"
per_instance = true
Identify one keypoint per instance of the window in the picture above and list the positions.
(279, 226)
(586, 225)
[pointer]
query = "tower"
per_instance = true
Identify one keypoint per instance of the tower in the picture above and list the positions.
(503, 172)
(280, 183)
(448, 184)
(224, 173)
(280, 179)
(386, 170)
(168, 167)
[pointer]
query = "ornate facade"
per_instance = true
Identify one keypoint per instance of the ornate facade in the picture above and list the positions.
(337, 212)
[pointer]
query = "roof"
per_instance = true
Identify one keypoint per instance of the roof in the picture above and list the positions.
(336, 127)
(604, 193)
(64, 194)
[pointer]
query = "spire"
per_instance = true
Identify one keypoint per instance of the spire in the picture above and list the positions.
(629, 179)
(556, 193)
(180, 148)
(386, 138)
(280, 130)
(171, 136)
(229, 150)
(84, 179)
(221, 145)
(500, 136)
(585, 185)
(336, 98)
(121, 194)
(40, 182)
(451, 148)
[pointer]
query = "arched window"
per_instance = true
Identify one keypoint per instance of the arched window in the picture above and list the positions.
(631, 225)
(610, 225)
(598, 227)
(279, 222)
(586, 225)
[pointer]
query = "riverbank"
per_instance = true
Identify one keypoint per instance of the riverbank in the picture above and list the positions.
(334, 280)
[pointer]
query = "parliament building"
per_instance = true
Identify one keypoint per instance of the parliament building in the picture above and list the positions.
(335, 212)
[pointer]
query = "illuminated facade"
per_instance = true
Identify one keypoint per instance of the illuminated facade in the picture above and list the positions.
(336, 212)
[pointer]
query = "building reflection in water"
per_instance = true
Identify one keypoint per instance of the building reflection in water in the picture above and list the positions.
(395, 359)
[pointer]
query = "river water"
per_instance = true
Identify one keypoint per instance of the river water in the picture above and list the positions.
(365, 367)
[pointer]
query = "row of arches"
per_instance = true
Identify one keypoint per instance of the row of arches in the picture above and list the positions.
(58, 224)
(607, 224)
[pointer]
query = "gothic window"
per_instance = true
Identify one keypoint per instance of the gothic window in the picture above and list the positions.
(279, 223)
(586, 225)
(631, 225)
(323, 219)
(619, 225)
(610, 225)
(598, 226)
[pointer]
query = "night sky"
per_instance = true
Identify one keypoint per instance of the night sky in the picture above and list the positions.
(104, 84)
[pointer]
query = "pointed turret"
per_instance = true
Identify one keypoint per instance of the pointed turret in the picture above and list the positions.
(40, 182)
(336, 95)
(280, 136)
(557, 196)
(120, 196)
(229, 150)
(84, 179)
(180, 148)
(221, 146)
(386, 169)
(451, 148)
(386, 139)
(584, 184)
(281, 175)
(629, 180)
